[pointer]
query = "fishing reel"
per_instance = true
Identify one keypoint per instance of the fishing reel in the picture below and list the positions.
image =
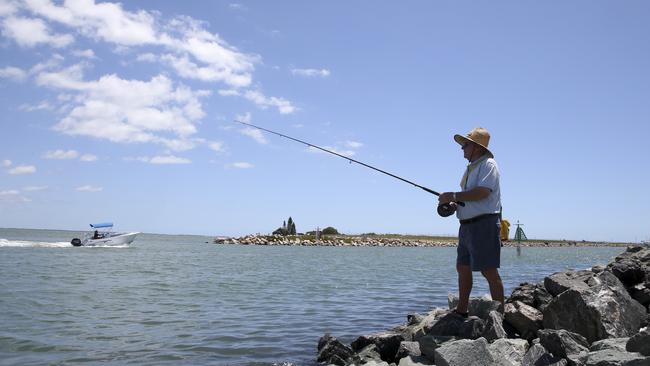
(447, 209)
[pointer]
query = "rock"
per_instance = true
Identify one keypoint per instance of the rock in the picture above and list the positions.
(414, 361)
(612, 357)
(367, 354)
(603, 310)
(429, 343)
(526, 319)
(464, 352)
(448, 325)
(414, 319)
(640, 342)
(617, 344)
(565, 344)
(534, 295)
(408, 349)
(472, 328)
(332, 351)
(494, 327)
(629, 271)
(597, 269)
(375, 363)
(387, 343)
(478, 306)
(641, 293)
(537, 355)
(509, 352)
(559, 282)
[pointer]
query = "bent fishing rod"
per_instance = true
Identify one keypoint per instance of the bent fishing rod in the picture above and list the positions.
(346, 158)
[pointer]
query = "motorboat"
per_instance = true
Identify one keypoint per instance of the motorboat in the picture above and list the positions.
(102, 235)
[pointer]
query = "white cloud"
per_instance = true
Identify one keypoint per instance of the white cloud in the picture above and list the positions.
(88, 157)
(162, 160)
(22, 169)
(348, 153)
(12, 196)
(237, 6)
(61, 154)
(7, 8)
(147, 57)
(45, 105)
(88, 53)
(126, 111)
(29, 32)
(89, 188)
(254, 134)
(6, 163)
(311, 72)
(353, 144)
(283, 105)
(13, 73)
(217, 146)
(242, 165)
(34, 188)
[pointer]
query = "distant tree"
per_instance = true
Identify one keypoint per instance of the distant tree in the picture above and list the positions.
(330, 231)
(291, 226)
(281, 231)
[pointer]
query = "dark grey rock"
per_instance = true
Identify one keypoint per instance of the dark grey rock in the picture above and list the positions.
(508, 352)
(428, 345)
(534, 295)
(413, 319)
(526, 319)
(472, 328)
(478, 306)
(601, 311)
(641, 293)
(629, 271)
(448, 325)
(612, 357)
(464, 352)
(597, 269)
(332, 351)
(414, 361)
(640, 342)
(616, 344)
(367, 354)
(559, 282)
(387, 343)
(565, 344)
(537, 355)
(494, 327)
(408, 349)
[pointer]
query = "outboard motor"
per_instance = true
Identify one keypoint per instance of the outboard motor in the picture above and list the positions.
(76, 242)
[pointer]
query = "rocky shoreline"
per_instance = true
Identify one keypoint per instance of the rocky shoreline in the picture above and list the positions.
(373, 241)
(596, 317)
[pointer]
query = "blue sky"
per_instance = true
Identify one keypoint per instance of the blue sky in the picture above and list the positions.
(123, 112)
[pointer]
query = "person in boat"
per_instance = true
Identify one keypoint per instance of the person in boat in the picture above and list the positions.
(479, 241)
(96, 235)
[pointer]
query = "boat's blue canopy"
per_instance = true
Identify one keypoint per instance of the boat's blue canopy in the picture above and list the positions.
(101, 225)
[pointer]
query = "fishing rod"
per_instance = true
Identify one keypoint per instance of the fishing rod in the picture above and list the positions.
(447, 208)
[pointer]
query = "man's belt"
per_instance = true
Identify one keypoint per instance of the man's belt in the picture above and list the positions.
(477, 218)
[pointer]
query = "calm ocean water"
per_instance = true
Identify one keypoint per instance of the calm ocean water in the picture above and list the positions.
(178, 300)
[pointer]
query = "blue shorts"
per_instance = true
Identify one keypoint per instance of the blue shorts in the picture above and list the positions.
(479, 243)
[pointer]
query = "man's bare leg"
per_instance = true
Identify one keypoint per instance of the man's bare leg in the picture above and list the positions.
(464, 287)
(496, 286)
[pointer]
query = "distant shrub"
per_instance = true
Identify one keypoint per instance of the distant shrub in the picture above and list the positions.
(330, 231)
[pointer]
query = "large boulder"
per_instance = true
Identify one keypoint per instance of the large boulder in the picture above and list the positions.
(408, 349)
(414, 361)
(640, 342)
(613, 357)
(464, 352)
(387, 343)
(562, 343)
(534, 295)
(494, 327)
(537, 355)
(472, 328)
(448, 325)
(332, 351)
(559, 282)
(509, 352)
(526, 319)
(601, 310)
(478, 306)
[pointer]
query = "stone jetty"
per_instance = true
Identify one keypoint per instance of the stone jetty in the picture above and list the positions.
(380, 241)
(596, 317)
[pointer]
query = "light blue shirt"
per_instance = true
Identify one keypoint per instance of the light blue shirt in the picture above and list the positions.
(482, 173)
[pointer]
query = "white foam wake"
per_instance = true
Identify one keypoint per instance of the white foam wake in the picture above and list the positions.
(47, 244)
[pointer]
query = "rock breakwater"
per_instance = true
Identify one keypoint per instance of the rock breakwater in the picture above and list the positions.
(378, 241)
(596, 317)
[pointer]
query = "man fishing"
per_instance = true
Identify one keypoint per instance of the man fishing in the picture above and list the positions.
(479, 242)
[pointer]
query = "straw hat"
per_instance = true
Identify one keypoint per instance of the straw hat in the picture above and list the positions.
(479, 136)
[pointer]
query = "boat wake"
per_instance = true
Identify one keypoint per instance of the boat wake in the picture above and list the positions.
(47, 244)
